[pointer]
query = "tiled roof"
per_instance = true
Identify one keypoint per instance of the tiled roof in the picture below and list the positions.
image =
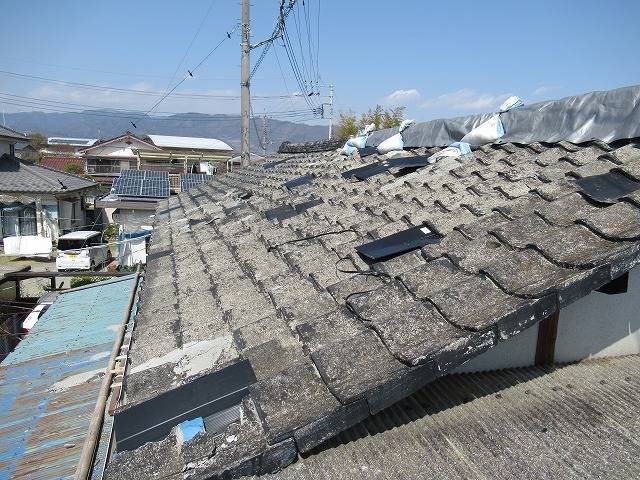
(18, 175)
(59, 162)
(331, 338)
(571, 421)
(10, 133)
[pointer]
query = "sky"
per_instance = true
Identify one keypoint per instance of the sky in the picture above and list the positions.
(438, 59)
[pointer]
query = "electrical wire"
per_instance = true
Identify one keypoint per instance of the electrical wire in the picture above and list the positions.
(135, 115)
(193, 39)
(189, 73)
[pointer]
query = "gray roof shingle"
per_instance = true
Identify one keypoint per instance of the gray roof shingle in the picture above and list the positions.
(21, 176)
(520, 239)
(7, 132)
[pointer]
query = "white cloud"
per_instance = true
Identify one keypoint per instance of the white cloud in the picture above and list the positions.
(544, 90)
(466, 99)
(402, 96)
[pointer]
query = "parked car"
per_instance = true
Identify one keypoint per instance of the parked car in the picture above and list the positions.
(82, 250)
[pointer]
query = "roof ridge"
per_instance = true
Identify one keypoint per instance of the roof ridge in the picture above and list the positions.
(30, 165)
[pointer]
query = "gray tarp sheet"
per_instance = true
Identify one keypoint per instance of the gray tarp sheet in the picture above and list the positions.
(607, 116)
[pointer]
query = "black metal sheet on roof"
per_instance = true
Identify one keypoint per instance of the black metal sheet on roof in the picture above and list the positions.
(159, 254)
(280, 213)
(362, 173)
(366, 151)
(409, 162)
(270, 165)
(397, 243)
(153, 419)
(298, 182)
(608, 187)
(304, 206)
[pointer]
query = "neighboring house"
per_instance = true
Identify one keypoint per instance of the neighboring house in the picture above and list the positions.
(8, 140)
(186, 154)
(65, 145)
(105, 159)
(26, 151)
(37, 200)
(236, 162)
(285, 303)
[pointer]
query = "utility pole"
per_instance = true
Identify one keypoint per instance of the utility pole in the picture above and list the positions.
(330, 110)
(264, 134)
(245, 100)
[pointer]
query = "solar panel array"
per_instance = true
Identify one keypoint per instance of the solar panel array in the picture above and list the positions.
(190, 180)
(142, 183)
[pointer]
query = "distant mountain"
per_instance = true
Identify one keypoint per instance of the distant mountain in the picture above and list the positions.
(102, 124)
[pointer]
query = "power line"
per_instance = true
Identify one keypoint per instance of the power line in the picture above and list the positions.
(189, 73)
(104, 88)
(111, 72)
(135, 115)
(40, 101)
(193, 39)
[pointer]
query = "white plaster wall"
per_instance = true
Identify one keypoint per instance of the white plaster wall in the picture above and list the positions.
(518, 351)
(4, 147)
(601, 325)
(598, 325)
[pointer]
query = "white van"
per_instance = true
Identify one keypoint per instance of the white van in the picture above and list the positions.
(81, 250)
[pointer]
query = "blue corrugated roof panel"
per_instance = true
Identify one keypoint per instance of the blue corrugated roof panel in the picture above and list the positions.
(49, 385)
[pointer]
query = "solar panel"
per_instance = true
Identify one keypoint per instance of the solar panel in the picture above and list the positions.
(189, 180)
(142, 183)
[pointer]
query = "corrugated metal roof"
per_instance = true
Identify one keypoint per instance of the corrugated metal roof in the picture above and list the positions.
(49, 385)
(197, 143)
(571, 421)
(76, 142)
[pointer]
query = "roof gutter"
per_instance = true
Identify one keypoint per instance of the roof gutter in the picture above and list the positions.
(85, 464)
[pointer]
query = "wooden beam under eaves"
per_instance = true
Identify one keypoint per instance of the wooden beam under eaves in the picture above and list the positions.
(547, 334)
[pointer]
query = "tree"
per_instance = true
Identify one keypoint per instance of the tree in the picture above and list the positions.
(36, 139)
(347, 125)
(73, 168)
(382, 118)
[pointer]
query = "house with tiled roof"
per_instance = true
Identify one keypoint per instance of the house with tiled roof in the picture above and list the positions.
(321, 309)
(39, 200)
